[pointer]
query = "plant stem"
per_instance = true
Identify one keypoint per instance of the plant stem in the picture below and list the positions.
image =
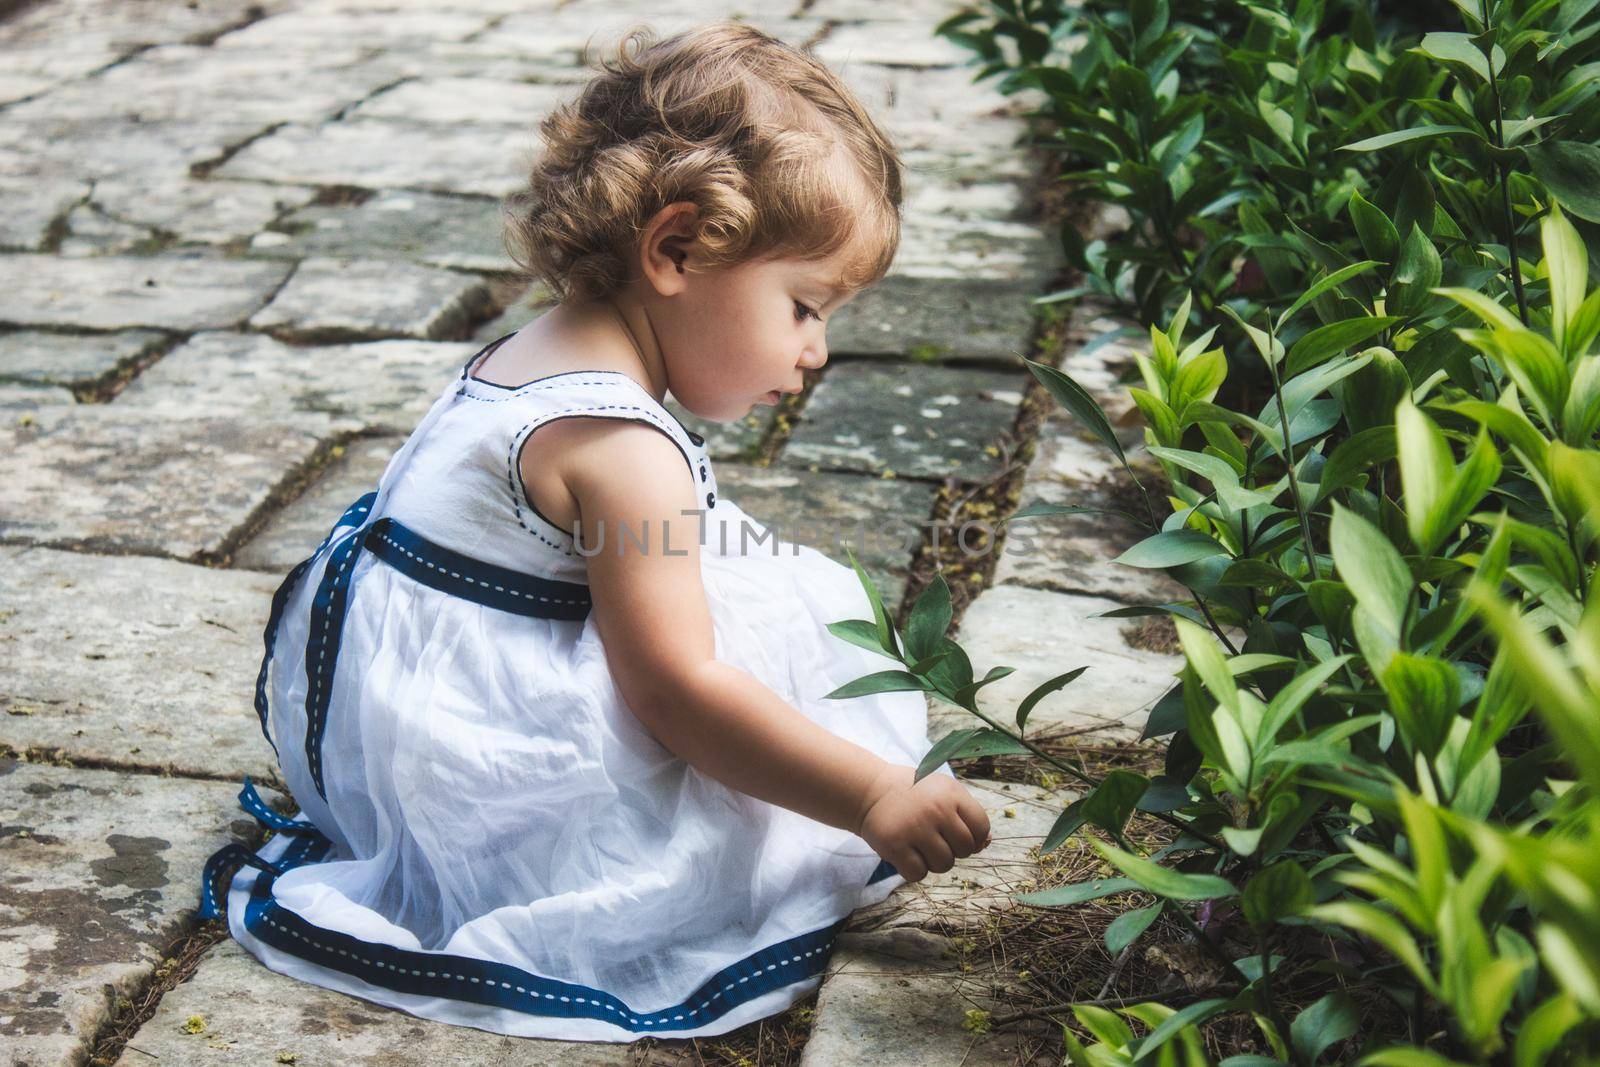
(1288, 455)
(1505, 186)
(1088, 779)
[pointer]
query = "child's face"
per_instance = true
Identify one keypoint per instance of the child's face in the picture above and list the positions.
(731, 337)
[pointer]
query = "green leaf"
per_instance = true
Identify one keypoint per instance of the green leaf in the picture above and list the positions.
(1328, 282)
(1459, 48)
(1206, 658)
(1415, 133)
(881, 682)
(1327, 1022)
(1276, 892)
(1487, 310)
(1325, 341)
(1125, 929)
(1162, 881)
(1424, 694)
(1566, 261)
(930, 618)
(1571, 171)
(1077, 893)
(1072, 396)
(1370, 566)
(1199, 1011)
(1043, 690)
(1401, 1056)
(1426, 470)
(1383, 928)
(1114, 799)
(886, 635)
(860, 632)
(1415, 276)
(1170, 549)
(1378, 236)
(1288, 700)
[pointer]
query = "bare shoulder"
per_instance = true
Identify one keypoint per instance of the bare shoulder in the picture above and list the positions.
(570, 459)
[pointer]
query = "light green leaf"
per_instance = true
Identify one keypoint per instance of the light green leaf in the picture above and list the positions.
(1375, 572)
(1566, 261)
(1163, 881)
(1415, 133)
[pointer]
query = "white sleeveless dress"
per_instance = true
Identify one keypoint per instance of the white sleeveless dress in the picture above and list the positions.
(488, 836)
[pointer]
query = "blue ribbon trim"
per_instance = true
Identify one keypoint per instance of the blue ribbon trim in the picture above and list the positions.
(280, 599)
(464, 978)
(485, 583)
(430, 564)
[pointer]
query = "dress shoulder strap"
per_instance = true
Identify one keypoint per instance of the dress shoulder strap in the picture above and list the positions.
(520, 410)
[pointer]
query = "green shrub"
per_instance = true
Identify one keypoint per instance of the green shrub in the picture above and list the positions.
(1390, 562)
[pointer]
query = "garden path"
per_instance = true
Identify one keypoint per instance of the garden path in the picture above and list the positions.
(242, 240)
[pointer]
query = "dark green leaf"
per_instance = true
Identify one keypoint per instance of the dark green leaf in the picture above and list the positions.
(1571, 171)
(1113, 800)
(1277, 892)
(1327, 1022)
(1125, 929)
(881, 682)
(1170, 548)
(1043, 690)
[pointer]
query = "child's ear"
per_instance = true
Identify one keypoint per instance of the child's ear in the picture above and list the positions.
(668, 243)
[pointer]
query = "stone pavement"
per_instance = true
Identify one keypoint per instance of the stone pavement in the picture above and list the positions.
(242, 242)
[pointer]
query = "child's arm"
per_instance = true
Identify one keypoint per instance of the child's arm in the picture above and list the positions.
(656, 627)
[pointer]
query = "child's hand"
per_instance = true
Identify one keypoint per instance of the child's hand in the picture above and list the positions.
(922, 827)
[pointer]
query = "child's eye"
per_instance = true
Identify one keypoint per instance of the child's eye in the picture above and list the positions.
(801, 311)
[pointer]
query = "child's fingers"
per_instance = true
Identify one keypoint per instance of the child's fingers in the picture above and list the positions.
(936, 852)
(975, 817)
(962, 841)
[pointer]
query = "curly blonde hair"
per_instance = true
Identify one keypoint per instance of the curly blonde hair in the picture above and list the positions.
(777, 154)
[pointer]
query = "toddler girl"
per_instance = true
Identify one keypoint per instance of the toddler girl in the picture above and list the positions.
(555, 720)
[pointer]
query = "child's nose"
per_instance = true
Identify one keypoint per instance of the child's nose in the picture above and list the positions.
(816, 355)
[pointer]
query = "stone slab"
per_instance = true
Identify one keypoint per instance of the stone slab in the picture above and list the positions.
(304, 31)
(101, 870)
(936, 318)
(120, 145)
(953, 900)
(47, 44)
(79, 360)
(254, 1016)
(909, 43)
(195, 211)
(382, 154)
(464, 233)
(916, 420)
(469, 100)
(89, 231)
(299, 527)
(896, 998)
(121, 292)
(192, 83)
(32, 207)
(880, 520)
(955, 248)
(160, 483)
(132, 660)
(330, 299)
(1043, 634)
(16, 395)
(371, 385)
(1075, 553)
